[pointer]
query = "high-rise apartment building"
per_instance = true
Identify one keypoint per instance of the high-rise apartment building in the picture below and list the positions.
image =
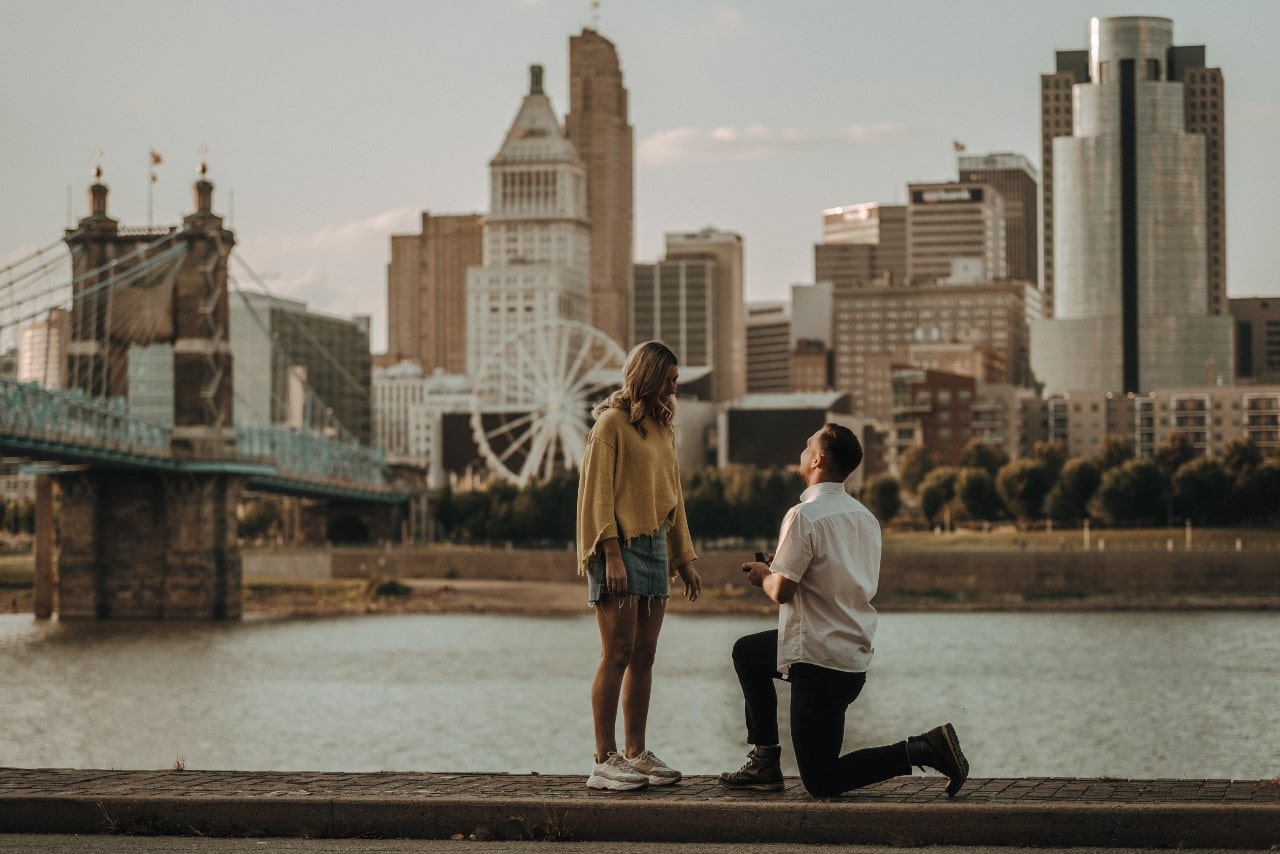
(427, 291)
(955, 221)
(692, 299)
(537, 239)
(1014, 178)
(597, 126)
(1130, 236)
(768, 347)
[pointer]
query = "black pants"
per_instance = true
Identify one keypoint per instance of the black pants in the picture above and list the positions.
(819, 698)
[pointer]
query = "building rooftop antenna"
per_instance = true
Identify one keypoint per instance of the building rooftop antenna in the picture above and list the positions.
(595, 15)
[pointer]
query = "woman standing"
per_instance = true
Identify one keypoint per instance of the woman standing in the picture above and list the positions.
(632, 539)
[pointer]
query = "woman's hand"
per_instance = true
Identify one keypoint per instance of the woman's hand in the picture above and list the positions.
(692, 582)
(615, 571)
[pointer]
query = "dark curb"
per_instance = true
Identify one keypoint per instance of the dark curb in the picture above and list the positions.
(908, 811)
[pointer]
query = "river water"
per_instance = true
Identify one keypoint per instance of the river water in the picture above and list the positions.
(1166, 695)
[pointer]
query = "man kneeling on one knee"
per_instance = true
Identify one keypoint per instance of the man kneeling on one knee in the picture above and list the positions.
(824, 575)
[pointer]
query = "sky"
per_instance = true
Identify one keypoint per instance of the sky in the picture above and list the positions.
(328, 126)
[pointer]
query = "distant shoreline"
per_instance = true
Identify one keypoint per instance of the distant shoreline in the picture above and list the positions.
(285, 598)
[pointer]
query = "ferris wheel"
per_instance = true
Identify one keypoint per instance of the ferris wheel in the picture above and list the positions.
(530, 406)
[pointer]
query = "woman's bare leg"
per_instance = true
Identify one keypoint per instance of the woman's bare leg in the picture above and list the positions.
(617, 642)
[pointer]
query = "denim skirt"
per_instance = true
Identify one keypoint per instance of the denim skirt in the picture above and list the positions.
(645, 559)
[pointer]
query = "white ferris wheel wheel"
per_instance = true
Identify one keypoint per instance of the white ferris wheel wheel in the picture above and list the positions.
(530, 406)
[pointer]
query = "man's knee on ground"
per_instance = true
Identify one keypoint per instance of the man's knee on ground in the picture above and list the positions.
(821, 785)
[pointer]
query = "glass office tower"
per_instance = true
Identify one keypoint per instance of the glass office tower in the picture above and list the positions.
(1131, 303)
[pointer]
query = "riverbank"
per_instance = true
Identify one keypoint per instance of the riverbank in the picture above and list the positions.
(967, 573)
(351, 597)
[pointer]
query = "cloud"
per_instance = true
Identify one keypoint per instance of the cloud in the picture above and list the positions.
(753, 142)
(727, 16)
(355, 234)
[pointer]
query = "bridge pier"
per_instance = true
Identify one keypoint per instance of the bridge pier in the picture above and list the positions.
(149, 545)
(44, 547)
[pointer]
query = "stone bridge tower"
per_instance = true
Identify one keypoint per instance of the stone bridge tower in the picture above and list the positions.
(154, 542)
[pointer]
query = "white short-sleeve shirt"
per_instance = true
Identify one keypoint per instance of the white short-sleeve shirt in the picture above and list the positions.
(830, 546)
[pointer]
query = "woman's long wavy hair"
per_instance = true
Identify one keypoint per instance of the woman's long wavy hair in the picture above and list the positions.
(644, 377)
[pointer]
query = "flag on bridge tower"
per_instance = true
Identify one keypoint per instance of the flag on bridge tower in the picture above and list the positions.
(156, 160)
(957, 145)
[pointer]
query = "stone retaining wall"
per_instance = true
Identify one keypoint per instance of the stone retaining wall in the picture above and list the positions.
(946, 572)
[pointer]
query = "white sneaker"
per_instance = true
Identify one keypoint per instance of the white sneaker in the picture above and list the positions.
(655, 769)
(616, 775)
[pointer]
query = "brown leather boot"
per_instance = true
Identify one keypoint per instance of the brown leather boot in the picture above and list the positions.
(763, 771)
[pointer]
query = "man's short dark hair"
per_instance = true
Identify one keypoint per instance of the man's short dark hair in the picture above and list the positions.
(841, 448)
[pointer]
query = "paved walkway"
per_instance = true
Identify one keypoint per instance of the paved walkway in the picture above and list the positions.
(1050, 812)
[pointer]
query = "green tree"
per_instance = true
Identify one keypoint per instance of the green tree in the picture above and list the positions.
(1202, 492)
(704, 504)
(1023, 485)
(981, 455)
(916, 462)
(258, 516)
(883, 497)
(976, 491)
(1241, 456)
(1135, 493)
(1177, 451)
(446, 512)
(1052, 454)
(937, 491)
(1264, 487)
(1115, 451)
(1077, 482)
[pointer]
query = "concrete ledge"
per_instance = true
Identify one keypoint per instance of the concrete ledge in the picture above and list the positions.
(908, 811)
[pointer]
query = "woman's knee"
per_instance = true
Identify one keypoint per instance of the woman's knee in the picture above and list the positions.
(643, 656)
(617, 655)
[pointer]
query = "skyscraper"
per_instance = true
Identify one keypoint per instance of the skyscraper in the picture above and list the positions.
(42, 350)
(597, 126)
(729, 344)
(954, 221)
(1132, 228)
(693, 300)
(1202, 112)
(1014, 178)
(863, 245)
(768, 347)
(427, 291)
(298, 367)
(537, 240)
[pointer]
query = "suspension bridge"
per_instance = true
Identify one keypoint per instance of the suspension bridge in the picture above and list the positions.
(124, 401)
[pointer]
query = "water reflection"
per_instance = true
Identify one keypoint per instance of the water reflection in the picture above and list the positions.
(1134, 695)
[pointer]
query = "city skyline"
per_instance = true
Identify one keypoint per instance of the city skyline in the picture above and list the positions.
(335, 129)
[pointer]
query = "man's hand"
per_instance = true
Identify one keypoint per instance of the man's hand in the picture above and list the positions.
(775, 586)
(756, 572)
(692, 582)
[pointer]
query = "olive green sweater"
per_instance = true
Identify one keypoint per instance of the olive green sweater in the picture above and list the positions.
(630, 485)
